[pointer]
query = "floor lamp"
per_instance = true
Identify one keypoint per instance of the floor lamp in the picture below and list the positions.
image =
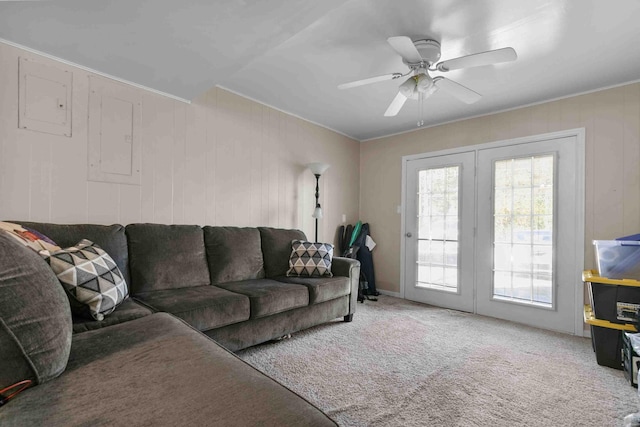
(317, 169)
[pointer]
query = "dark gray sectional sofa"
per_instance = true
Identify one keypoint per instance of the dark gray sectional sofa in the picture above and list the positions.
(163, 357)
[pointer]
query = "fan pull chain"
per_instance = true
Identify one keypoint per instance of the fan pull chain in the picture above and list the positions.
(420, 109)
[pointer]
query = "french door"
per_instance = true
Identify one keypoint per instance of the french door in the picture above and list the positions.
(496, 230)
(439, 234)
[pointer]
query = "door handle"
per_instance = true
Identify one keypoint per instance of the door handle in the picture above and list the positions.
(408, 234)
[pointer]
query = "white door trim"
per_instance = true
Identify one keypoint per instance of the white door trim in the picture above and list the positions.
(579, 134)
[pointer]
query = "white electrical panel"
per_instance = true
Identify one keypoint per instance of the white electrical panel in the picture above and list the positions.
(44, 98)
(114, 132)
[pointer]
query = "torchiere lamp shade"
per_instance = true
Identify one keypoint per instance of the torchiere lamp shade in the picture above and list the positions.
(318, 168)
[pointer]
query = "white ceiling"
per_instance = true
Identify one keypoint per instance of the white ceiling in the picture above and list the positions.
(291, 54)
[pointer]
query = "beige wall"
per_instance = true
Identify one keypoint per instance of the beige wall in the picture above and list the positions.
(612, 122)
(223, 160)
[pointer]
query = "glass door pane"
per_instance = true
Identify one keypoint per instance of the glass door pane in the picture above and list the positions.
(523, 232)
(438, 224)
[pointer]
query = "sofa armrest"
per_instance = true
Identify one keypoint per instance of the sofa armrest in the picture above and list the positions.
(348, 267)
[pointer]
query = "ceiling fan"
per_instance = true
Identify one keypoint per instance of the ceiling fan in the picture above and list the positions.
(420, 56)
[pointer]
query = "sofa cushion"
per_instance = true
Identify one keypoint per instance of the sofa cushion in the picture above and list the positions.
(166, 257)
(269, 296)
(128, 310)
(157, 371)
(246, 334)
(35, 319)
(111, 238)
(321, 288)
(90, 277)
(233, 254)
(310, 259)
(203, 307)
(276, 249)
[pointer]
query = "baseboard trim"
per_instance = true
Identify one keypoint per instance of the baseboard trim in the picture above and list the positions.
(389, 293)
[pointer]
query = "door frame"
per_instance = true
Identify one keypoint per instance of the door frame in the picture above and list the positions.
(579, 134)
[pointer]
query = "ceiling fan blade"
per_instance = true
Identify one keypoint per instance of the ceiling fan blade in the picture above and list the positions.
(463, 93)
(505, 54)
(405, 48)
(369, 80)
(396, 105)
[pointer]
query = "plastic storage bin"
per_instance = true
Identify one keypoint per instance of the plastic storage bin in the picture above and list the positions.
(606, 335)
(614, 300)
(607, 344)
(618, 259)
(615, 303)
(606, 339)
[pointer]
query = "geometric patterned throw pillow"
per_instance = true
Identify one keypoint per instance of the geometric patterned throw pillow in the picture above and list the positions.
(90, 277)
(310, 259)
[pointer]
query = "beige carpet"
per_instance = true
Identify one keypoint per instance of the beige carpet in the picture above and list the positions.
(406, 364)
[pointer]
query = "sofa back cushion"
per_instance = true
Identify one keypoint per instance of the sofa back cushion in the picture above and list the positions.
(233, 254)
(35, 319)
(276, 249)
(166, 257)
(111, 238)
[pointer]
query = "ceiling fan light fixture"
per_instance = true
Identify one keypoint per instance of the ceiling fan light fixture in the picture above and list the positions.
(408, 87)
(423, 82)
